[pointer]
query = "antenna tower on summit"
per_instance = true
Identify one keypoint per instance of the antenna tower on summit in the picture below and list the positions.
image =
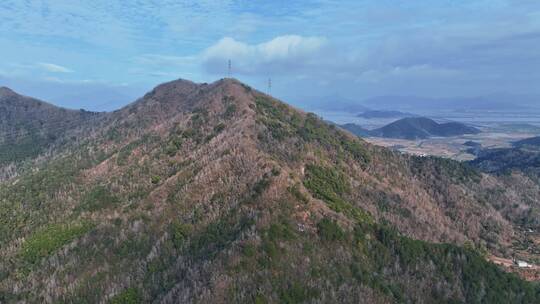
(269, 86)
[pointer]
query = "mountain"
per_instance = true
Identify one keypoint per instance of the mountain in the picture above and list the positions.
(217, 193)
(370, 114)
(29, 126)
(421, 127)
(494, 102)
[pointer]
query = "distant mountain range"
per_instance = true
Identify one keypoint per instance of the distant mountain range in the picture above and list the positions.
(501, 102)
(334, 103)
(370, 114)
(389, 106)
(412, 128)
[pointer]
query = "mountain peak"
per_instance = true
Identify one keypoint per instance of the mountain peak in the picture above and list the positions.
(5, 91)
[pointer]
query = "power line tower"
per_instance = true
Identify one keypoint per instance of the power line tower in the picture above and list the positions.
(229, 69)
(269, 86)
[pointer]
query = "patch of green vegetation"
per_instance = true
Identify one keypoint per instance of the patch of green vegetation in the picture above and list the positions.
(444, 168)
(48, 240)
(281, 230)
(128, 296)
(249, 250)
(282, 122)
(126, 151)
(113, 134)
(134, 246)
(98, 198)
(277, 117)
(390, 203)
(260, 186)
(174, 144)
(315, 129)
(326, 183)
(230, 110)
(218, 235)
(219, 127)
(179, 233)
(330, 185)
(24, 148)
(297, 293)
(271, 251)
(155, 179)
(329, 230)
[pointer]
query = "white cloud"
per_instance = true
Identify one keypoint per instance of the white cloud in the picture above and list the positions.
(53, 68)
(280, 52)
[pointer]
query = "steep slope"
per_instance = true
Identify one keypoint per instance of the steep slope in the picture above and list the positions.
(28, 126)
(421, 127)
(356, 129)
(219, 193)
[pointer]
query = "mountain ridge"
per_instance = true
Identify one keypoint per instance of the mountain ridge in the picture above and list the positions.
(29, 127)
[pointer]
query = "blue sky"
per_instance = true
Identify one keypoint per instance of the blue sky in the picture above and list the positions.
(101, 54)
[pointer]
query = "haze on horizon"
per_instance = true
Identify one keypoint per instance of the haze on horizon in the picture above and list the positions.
(101, 54)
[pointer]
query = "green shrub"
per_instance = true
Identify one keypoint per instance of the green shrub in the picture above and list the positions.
(249, 250)
(260, 186)
(330, 185)
(297, 293)
(218, 128)
(128, 296)
(48, 240)
(326, 183)
(179, 233)
(98, 198)
(229, 111)
(155, 179)
(329, 230)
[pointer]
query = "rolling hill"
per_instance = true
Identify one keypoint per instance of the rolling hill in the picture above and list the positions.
(412, 128)
(219, 193)
(421, 127)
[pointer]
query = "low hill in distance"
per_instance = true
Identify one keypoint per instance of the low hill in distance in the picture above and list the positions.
(413, 128)
(421, 127)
